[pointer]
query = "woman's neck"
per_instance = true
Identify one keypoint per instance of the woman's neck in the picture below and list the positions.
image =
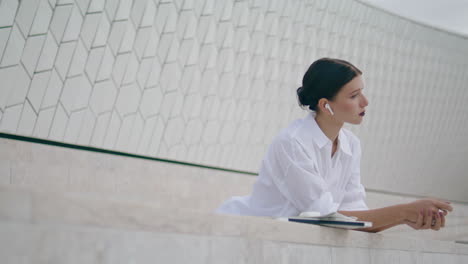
(329, 127)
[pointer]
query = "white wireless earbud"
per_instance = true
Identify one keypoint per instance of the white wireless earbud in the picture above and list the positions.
(327, 106)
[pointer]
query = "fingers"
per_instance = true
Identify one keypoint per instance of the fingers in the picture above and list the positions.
(420, 221)
(437, 223)
(442, 219)
(443, 205)
(419, 224)
(427, 220)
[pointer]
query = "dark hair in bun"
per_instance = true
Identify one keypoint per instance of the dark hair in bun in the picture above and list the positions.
(324, 79)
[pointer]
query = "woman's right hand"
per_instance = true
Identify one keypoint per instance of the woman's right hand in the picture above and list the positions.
(429, 205)
(426, 220)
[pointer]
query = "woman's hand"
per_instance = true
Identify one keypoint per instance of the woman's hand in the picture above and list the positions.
(428, 220)
(409, 213)
(428, 207)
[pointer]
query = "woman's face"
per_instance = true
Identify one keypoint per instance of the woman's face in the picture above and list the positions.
(350, 102)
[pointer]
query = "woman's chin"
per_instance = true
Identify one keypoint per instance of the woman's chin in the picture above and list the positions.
(356, 121)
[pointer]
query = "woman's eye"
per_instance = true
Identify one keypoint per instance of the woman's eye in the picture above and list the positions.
(354, 96)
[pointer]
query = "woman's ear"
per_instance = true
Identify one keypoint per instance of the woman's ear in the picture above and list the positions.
(321, 105)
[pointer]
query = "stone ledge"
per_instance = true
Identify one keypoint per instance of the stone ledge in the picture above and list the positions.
(35, 207)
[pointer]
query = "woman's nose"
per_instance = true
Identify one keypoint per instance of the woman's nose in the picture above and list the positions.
(366, 102)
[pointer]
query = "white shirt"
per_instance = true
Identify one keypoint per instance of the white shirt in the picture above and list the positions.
(298, 174)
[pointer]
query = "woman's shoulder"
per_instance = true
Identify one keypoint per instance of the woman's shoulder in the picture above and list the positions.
(288, 140)
(288, 133)
(284, 140)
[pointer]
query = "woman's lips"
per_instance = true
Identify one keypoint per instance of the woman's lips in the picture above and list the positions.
(362, 114)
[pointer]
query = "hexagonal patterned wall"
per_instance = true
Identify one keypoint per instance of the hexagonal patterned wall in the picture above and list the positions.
(211, 82)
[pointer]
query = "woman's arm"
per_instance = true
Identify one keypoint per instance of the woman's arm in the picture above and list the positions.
(378, 229)
(381, 218)
(420, 212)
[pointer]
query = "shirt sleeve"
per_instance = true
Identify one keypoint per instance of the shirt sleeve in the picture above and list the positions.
(355, 194)
(296, 176)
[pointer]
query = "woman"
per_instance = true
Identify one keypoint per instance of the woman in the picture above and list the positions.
(314, 163)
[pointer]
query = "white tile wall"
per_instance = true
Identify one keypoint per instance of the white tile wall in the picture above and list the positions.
(7, 12)
(102, 122)
(174, 131)
(112, 130)
(95, 58)
(136, 133)
(4, 35)
(105, 71)
(10, 118)
(128, 38)
(117, 32)
(103, 96)
(25, 15)
(74, 25)
(151, 101)
(125, 132)
(48, 54)
(38, 89)
(14, 48)
(170, 76)
(78, 62)
(74, 125)
(153, 42)
(64, 2)
(89, 28)
(87, 128)
(31, 52)
(52, 2)
(120, 67)
(53, 91)
(166, 17)
(5, 74)
(64, 58)
(42, 18)
(102, 32)
(168, 102)
(149, 125)
(141, 41)
(59, 124)
(60, 20)
(128, 99)
(228, 70)
(76, 92)
(16, 85)
(44, 122)
(96, 6)
(28, 119)
(155, 72)
(155, 142)
(83, 6)
(192, 106)
(131, 70)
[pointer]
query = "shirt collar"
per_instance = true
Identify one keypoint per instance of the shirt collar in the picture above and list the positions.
(311, 132)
